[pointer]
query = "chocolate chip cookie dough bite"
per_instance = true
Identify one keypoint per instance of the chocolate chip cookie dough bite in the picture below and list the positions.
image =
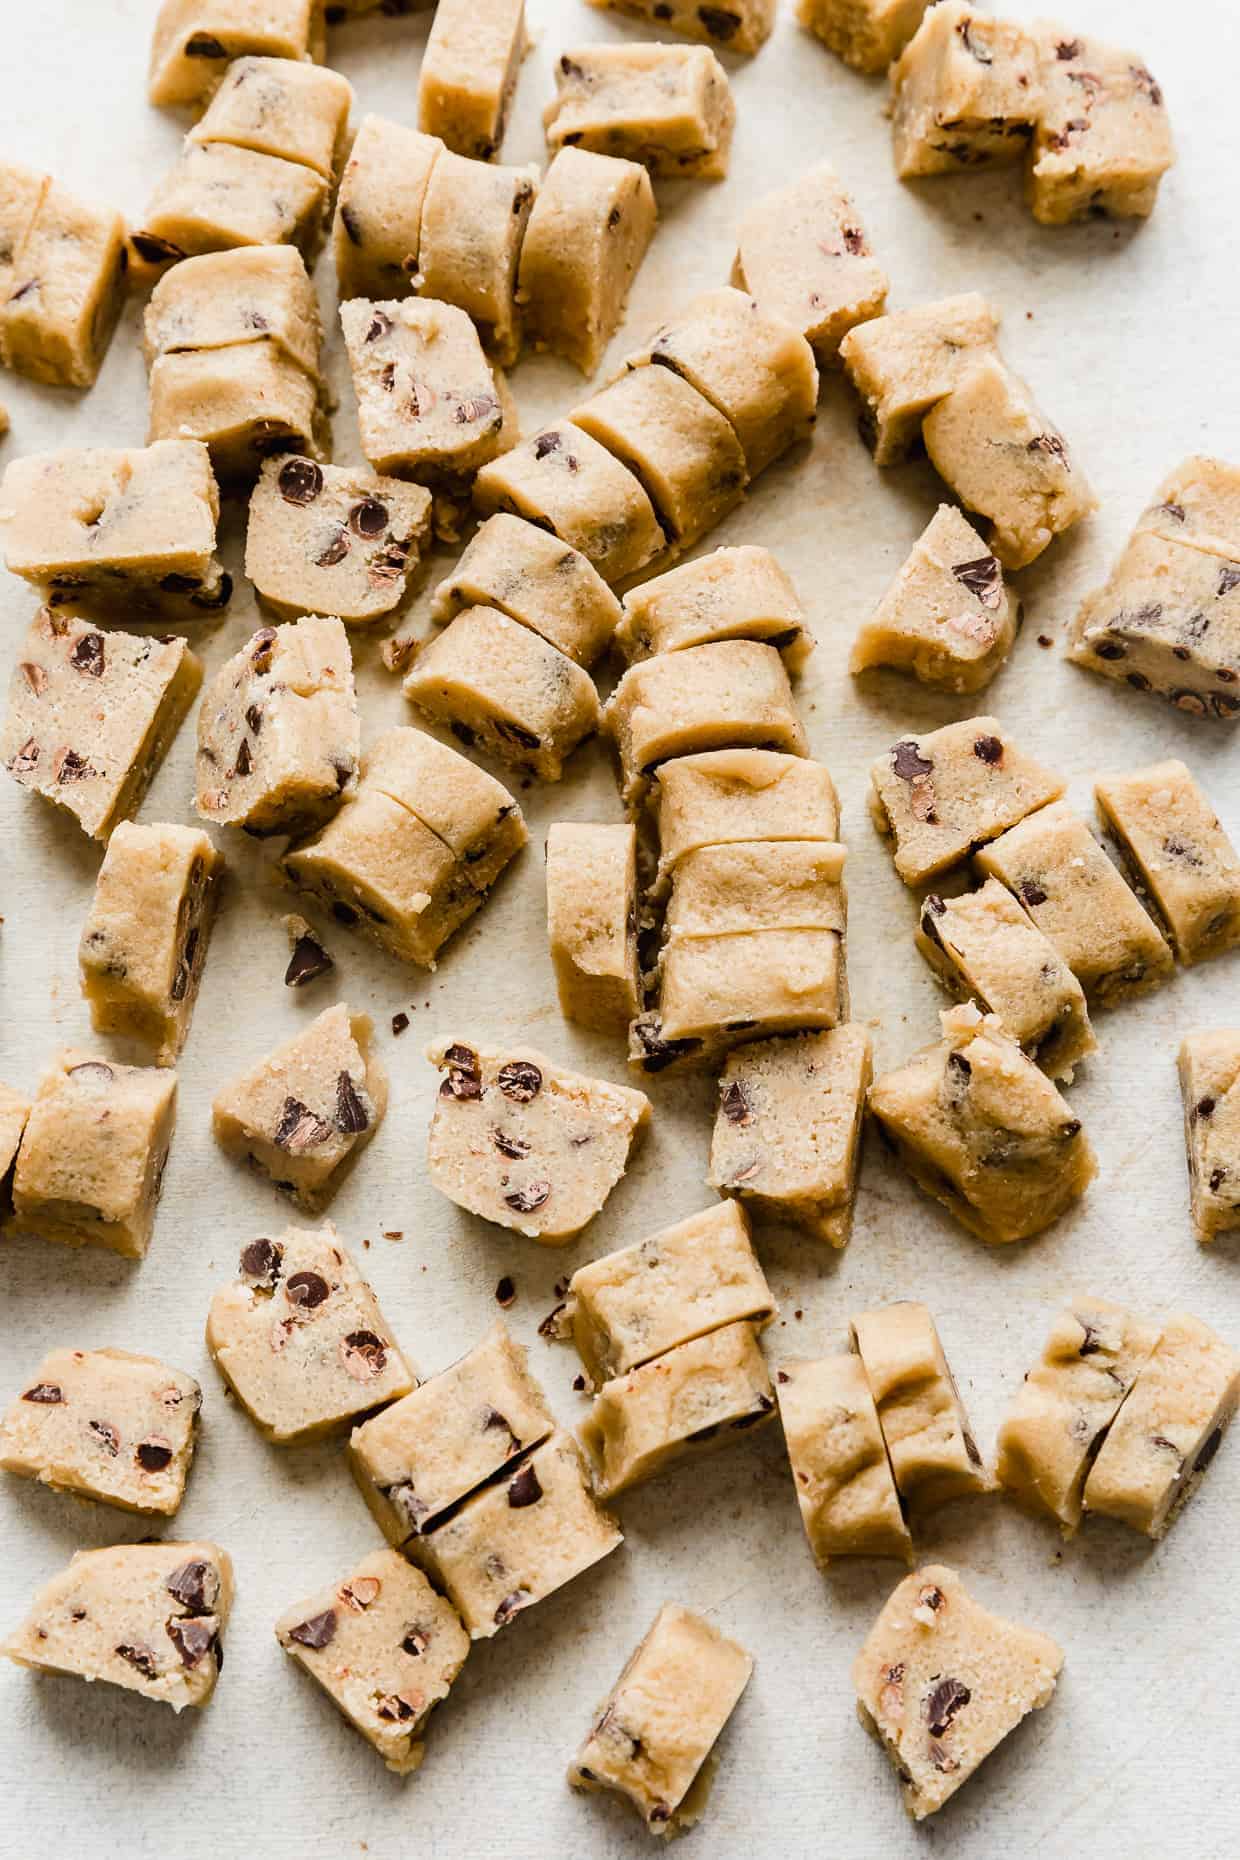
(668, 107)
(528, 574)
(802, 252)
(726, 797)
(294, 111)
(334, 539)
(260, 296)
(1178, 853)
(866, 34)
(1103, 140)
(1198, 505)
(844, 1484)
(377, 228)
(472, 813)
(244, 402)
(474, 217)
(736, 593)
(194, 41)
(1209, 1068)
(965, 93)
(592, 913)
(216, 197)
(469, 73)
(934, 1457)
(947, 618)
(62, 282)
(566, 483)
(902, 364)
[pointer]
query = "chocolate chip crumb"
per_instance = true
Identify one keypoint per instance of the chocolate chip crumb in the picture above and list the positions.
(506, 1292)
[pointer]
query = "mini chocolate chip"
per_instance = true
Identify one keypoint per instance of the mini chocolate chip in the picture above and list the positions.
(299, 1129)
(140, 1658)
(153, 1454)
(380, 325)
(368, 519)
(44, 1392)
(192, 1639)
(514, 733)
(510, 1606)
(88, 655)
(261, 1259)
(245, 761)
(519, 1080)
(511, 1146)
(942, 1703)
(335, 551)
(351, 1113)
(988, 749)
(1031, 892)
(196, 1586)
(546, 443)
(317, 1631)
(1204, 1107)
(735, 1103)
(399, 1023)
(506, 1292)
(719, 23)
(307, 1289)
(203, 45)
(300, 481)
(525, 1489)
(364, 1354)
(908, 762)
(107, 1437)
(308, 961)
(525, 1200)
(155, 251)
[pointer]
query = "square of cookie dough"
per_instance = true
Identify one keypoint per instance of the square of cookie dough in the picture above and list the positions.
(14, 1110)
(385, 1649)
(64, 293)
(1051, 1435)
(334, 539)
(947, 617)
(983, 1131)
(652, 1739)
(244, 403)
(283, 107)
(525, 1143)
(469, 73)
(802, 252)
(474, 217)
(1180, 858)
(1209, 1068)
(458, 1431)
(719, 989)
(1197, 504)
(300, 1340)
(1168, 1430)
(734, 593)
(592, 922)
(866, 34)
(1103, 140)
(940, 1683)
(742, 26)
(727, 796)
(933, 1454)
(760, 885)
(966, 92)
(105, 1424)
(565, 482)
(216, 196)
(941, 796)
(222, 300)
(844, 1485)
(519, 1539)
(1080, 903)
(584, 243)
(472, 813)
(787, 1136)
(984, 947)
(668, 107)
(306, 1110)
(194, 41)
(148, 1617)
(535, 578)
(378, 219)
(903, 363)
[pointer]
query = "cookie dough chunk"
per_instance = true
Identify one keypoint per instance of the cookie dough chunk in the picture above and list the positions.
(592, 923)
(220, 300)
(669, 107)
(534, 578)
(736, 593)
(586, 238)
(652, 1740)
(565, 482)
(144, 942)
(965, 92)
(243, 403)
(1079, 902)
(91, 715)
(1198, 505)
(278, 730)
(1171, 838)
(63, 295)
(307, 1109)
(469, 810)
(941, 1681)
(743, 26)
(216, 196)
(385, 1649)
(14, 1110)
(804, 255)
(844, 1485)
(423, 1455)
(934, 1457)
(866, 34)
(379, 209)
(1066, 1403)
(982, 1131)
(903, 363)
(469, 73)
(939, 797)
(21, 192)
(194, 41)
(761, 885)
(105, 1424)
(92, 1156)
(299, 1338)
(518, 1541)
(334, 539)
(1103, 141)
(727, 796)
(473, 222)
(716, 988)
(295, 111)
(984, 947)
(787, 1137)
(1209, 1065)
(947, 617)
(525, 1143)
(148, 1617)
(1168, 1430)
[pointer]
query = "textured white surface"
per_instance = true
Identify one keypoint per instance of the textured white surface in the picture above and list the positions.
(1127, 336)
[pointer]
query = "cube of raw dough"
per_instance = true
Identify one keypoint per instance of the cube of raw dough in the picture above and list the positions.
(947, 617)
(279, 106)
(91, 716)
(844, 1485)
(584, 243)
(469, 73)
(468, 809)
(105, 1424)
(903, 363)
(939, 797)
(300, 1340)
(736, 593)
(194, 41)
(743, 26)
(516, 1542)
(216, 196)
(787, 1137)
(14, 1110)
(306, 1110)
(803, 253)
(334, 539)
(982, 1131)
(965, 93)
(61, 299)
(1209, 1067)
(220, 300)
(1168, 1430)
(1063, 1408)
(653, 1737)
(418, 1459)
(933, 1454)
(592, 922)
(1079, 902)
(1197, 504)
(536, 579)
(1102, 142)
(759, 885)
(385, 1649)
(567, 483)
(147, 1617)
(984, 947)
(727, 796)
(669, 107)
(1181, 857)
(473, 222)
(92, 1156)
(144, 942)
(379, 209)
(244, 403)
(941, 1681)
(866, 34)
(760, 982)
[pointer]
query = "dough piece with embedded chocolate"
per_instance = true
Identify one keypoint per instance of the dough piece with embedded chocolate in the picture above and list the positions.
(1209, 1067)
(536, 579)
(653, 1737)
(749, 985)
(60, 301)
(468, 809)
(592, 922)
(219, 300)
(1079, 902)
(243, 403)
(1168, 1430)
(469, 73)
(939, 797)
(299, 1338)
(982, 1131)
(517, 1541)
(567, 483)
(91, 715)
(866, 34)
(941, 1682)
(761, 885)
(1172, 840)
(669, 107)
(92, 1156)
(304, 1112)
(278, 730)
(423, 1455)
(584, 243)
(934, 1457)
(144, 942)
(844, 1484)
(903, 363)
(984, 947)
(1197, 505)
(735, 593)
(105, 1424)
(1050, 1438)
(216, 196)
(1103, 141)
(334, 539)
(743, 26)
(21, 192)
(727, 796)
(296, 111)
(947, 617)
(14, 1110)
(194, 40)
(966, 92)
(473, 222)
(378, 220)
(787, 1138)
(148, 1617)
(385, 1649)
(652, 1052)
(525, 1143)
(804, 255)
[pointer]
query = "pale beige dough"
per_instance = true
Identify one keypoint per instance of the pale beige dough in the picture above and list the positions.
(844, 1485)
(469, 73)
(244, 403)
(1198, 504)
(219, 300)
(592, 922)
(468, 809)
(965, 93)
(21, 192)
(216, 196)
(280, 106)
(669, 107)
(726, 796)
(1175, 846)
(194, 40)
(947, 617)
(334, 539)
(759, 885)
(60, 301)
(803, 253)
(377, 229)
(474, 218)
(1209, 1068)
(759, 982)
(866, 34)
(903, 363)
(1103, 141)
(741, 27)
(567, 483)
(736, 593)
(532, 577)
(933, 1455)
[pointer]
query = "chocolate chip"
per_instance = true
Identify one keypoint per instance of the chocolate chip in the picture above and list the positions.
(261, 1260)
(416, 1641)
(525, 1200)
(524, 1489)
(300, 481)
(979, 49)
(364, 1354)
(1031, 893)
(519, 1080)
(1207, 1451)
(719, 23)
(317, 1631)
(942, 1703)
(46, 1393)
(380, 325)
(1204, 1107)
(351, 1113)
(546, 443)
(299, 1129)
(982, 577)
(107, 1437)
(1228, 578)
(245, 761)
(141, 1658)
(477, 408)
(369, 518)
(196, 1586)
(506, 1292)
(1050, 443)
(334, 551)
(988, 749)
(351, 224)
(308, 961)
(514, 733)
(1068, 48)
(908, 762)
(155, 251)
(399, 1023)
(203, 45)
(307, 1289)
(87, 656)
(510, 1605)
(154, 1454)
(854, 240)
(508, 1145)
(735, 1103)
(192, 1639)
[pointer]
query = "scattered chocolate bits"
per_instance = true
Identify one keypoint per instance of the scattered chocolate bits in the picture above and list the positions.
(317, 1631)
(506, 1292)
(153, 1454)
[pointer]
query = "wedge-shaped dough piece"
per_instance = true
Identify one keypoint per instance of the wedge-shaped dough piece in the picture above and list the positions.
(761, 885)
(14, 1110)
(866, 34)
(1179, 854)
(803, 254)
(716, 988)
(726, 796)
(469, 73)
(532, 577)
(1103, 141)
(934, 1457)
(570, 485)
(243, 403)
(334, 539)
(61, 301)
(216, 196)
(743, 26)
(195, 39)
(947, 617)
(965, 93)
(592, 922)
(220, 300)
(378, 220)
(736, 593)
(281, 106)
(474, 218)
(472, 813)
(903, 364)
(844, 1484)
(1209, 1066)
(669, 107)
